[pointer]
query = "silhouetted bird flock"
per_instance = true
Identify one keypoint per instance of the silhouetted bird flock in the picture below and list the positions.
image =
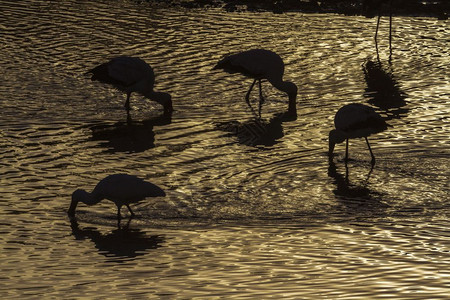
(132, 74)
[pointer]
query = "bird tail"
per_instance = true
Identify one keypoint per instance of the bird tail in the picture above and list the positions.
(97, 69)
(91, 73)
(221, 64)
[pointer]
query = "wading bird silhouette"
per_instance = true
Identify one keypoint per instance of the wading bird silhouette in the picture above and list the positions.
(355, 121)
(131, 74)
(373, 7)
(122, 189)
(260, 64)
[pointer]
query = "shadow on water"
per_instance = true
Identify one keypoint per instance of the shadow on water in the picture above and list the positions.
(121, 242)
(130, 136)
(355, 197)
(383, 90)
(257, 131)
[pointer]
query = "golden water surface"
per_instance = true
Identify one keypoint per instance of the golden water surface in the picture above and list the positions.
(253, 207)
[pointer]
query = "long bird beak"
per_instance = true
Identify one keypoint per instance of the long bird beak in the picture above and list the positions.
(331, 145)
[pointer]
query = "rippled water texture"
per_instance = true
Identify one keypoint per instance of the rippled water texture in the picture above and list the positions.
(253, 208)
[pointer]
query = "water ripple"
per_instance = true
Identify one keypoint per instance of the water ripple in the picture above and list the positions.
(253, 207)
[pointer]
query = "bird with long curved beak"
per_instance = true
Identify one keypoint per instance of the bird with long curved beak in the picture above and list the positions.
(261, 64)
(131, 74)
(355, 121)
(122, 189)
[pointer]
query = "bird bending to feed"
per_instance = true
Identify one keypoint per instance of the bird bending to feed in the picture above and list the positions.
(355, 121)
(260, 64)
(131, 74)
(121, 189)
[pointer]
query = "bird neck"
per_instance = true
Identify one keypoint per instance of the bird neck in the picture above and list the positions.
(162, 98)
(85, 197)
(337, 136)
(290, 89)
(151, 94)
(292, 109)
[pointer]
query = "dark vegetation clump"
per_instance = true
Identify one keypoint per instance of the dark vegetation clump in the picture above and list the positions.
(369, 8)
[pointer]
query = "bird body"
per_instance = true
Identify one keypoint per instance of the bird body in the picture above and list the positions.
(122, 189)
(355, 121)
(255, 63)
(260, 64)
(131, 74)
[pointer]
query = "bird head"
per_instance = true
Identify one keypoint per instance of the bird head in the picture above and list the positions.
(165, 100)
(77, 196)
(335, 137)
(167, 103)
(291, 89)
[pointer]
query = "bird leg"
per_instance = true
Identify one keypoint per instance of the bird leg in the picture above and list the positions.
(368, 174)
(390, 30)
(127, 225)
(129, 120)
(346, 150)
(376, 34)
(371, 154)
(346, 175)
(129, 208)
(378, 25)
(119, 216)
(259, 109)
(247, 97)
(127, 103)
(261, 97)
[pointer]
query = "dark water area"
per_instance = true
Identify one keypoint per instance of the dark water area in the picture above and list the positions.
(253, 208)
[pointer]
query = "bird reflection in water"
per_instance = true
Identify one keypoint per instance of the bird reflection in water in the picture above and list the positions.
(122, 242)
(355, 196)
(257, 131)
(130, 136)
(383, 90)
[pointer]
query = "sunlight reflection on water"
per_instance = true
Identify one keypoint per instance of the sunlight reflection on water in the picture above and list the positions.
(253, 207)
